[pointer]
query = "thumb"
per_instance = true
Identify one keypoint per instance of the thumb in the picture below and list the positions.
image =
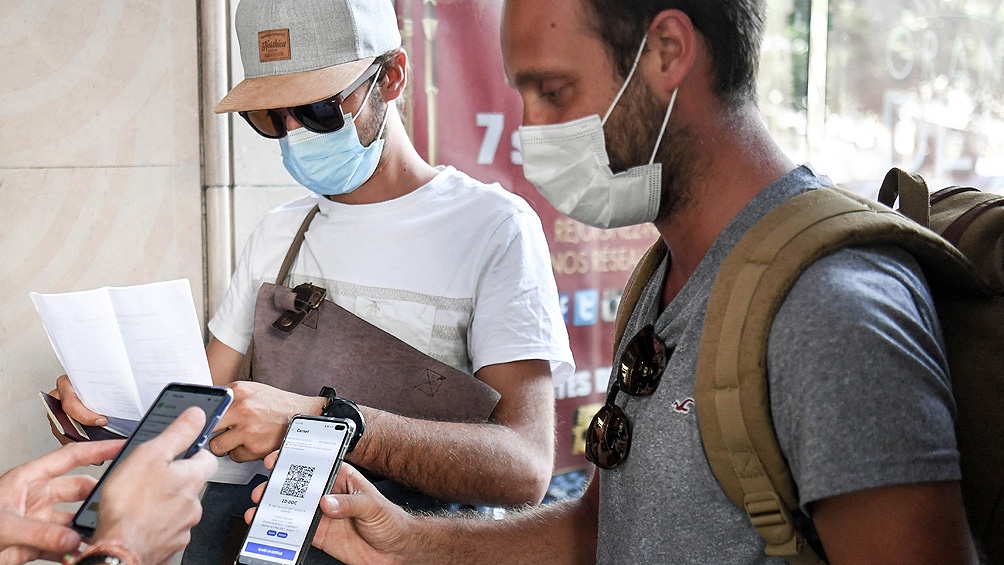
(43, 536)
(200, 467)
(340, 506)
(177, 437)
(360, 506)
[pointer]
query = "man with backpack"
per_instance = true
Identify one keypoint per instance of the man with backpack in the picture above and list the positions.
(857, 382)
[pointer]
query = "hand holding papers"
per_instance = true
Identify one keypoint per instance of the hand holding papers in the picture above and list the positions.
(121, 345)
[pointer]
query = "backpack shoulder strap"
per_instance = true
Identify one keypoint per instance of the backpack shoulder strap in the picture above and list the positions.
(635, 284)
(914, 196)
(733, 404)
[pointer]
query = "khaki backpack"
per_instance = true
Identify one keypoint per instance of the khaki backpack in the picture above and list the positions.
(962, 255)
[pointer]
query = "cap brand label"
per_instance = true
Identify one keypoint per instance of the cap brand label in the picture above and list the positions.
(273, 45)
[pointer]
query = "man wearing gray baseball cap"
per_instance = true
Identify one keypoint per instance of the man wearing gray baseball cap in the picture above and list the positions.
(458, 269)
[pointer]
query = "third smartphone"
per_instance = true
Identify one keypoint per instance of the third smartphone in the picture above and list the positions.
(287, 516)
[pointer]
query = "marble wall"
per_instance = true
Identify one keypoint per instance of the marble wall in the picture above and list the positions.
(100, 173)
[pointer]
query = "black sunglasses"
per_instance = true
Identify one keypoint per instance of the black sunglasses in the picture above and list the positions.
(324, 116)
(608, 439)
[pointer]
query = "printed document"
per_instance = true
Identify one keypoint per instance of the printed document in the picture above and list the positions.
(121, 345)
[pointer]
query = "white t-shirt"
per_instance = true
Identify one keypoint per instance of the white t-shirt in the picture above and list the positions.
(458, 269)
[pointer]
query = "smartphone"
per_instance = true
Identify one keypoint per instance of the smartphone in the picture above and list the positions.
(287, 516)
(172, 401)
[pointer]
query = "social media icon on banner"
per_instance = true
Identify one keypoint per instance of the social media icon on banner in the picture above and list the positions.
(587, 307)
(563, 304)
(608, 306)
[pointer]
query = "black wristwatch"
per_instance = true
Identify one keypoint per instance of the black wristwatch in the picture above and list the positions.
(337, 407)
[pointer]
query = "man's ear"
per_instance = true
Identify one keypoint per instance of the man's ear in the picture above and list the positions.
(674, 44)
(394, 77)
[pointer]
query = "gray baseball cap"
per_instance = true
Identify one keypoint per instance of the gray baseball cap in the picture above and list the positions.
(301, 51)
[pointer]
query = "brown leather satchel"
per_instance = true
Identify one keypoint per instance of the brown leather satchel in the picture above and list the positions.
(302, 342)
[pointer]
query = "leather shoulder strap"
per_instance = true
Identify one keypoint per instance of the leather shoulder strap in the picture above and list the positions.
(246, 372)
(294, 248)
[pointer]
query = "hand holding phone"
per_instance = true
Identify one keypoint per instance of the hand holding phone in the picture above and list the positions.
(171, 402)
(151, 501)
(285, 520)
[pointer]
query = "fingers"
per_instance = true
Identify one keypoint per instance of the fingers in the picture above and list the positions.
(44, 536)
(270, 459)
(179, 436)
(351, 481)
(343, 502)
(61, 517)
(249, 514)
(225, 442)
(151, 478)
(239, 445)
(230, 417)
(201, 466)
(74, 407)
(257, 493)
(358, 505)
(70, 457)
(72, 488)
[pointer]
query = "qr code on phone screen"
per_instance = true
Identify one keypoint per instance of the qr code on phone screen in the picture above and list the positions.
(297, 481)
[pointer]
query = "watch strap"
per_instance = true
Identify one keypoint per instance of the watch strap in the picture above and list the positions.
(337, 407)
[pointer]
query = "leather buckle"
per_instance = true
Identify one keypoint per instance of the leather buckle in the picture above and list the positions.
(307, 299)
(308, 296)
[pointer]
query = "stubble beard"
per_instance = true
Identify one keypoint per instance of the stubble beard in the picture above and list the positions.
(632, 132)
(368, 130)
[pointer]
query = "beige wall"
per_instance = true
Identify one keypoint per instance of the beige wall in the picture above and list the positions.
(100, 178)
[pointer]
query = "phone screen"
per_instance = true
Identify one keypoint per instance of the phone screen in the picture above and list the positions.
(173, 400)
(285, 519)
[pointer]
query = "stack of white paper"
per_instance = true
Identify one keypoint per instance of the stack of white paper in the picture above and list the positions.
(121, 345)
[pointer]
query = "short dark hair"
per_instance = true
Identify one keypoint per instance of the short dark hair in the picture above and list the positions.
(384, 60)
(732, 31)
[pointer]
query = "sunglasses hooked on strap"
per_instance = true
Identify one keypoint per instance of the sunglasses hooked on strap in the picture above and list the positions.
(324, 116)
(639, 370)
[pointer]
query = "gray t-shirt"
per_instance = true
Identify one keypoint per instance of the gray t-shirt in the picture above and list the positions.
(860, 398)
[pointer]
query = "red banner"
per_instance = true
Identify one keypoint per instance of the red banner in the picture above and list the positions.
(461, 112)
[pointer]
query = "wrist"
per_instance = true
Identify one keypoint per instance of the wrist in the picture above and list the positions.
(317, 404)
(105, 552)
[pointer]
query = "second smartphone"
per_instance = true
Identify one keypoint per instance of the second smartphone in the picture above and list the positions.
(173, 400)
(287, 516)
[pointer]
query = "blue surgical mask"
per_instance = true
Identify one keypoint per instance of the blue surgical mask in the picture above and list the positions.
(331, 163)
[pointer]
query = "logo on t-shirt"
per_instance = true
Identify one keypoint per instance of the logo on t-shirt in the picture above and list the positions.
(683, 406)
